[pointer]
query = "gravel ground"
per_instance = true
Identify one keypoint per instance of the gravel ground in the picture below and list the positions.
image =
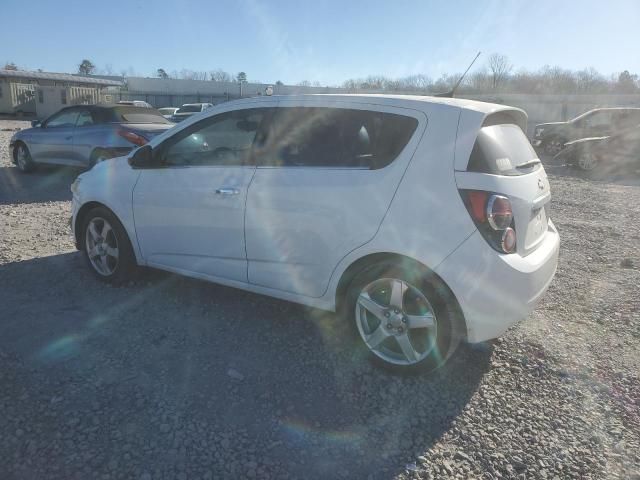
(174, 378)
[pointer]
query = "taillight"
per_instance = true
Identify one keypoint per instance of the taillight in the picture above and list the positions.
(493, 216)
(499, 213)
(132, 137)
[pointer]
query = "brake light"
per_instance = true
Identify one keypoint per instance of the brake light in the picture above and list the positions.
(493, 215)
(132, 137)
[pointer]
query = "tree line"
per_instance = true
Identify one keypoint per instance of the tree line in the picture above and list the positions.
(497, 75)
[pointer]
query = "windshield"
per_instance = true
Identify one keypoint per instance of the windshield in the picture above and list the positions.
(189, 109)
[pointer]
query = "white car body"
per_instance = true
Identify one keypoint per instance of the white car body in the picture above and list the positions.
(292, 233)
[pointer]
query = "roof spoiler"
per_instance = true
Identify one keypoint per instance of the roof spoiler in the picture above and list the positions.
(450, 93)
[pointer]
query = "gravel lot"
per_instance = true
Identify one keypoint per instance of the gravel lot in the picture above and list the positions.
(179, 379)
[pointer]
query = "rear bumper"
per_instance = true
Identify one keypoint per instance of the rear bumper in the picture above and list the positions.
(496, 291)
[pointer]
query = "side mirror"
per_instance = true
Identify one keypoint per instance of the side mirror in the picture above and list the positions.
(142, 157)
(36, 123)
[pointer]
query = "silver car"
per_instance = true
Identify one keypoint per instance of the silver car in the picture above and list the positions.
(84, 135)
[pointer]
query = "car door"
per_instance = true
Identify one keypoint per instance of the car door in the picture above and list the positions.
(189, 208)
(598, 124)
(324, 181)
(53, 141)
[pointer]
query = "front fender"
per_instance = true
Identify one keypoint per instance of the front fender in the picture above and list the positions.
(109, 183)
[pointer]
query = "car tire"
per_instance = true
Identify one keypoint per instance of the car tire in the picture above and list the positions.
(107, 248)
(417, 331)
(98, 155)
(553, 146)
(23, 159)
(588, 162)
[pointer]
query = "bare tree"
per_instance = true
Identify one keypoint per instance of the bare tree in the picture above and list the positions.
(304, 83)
(418, 82)
(186, 74)
(219, 75)
(10, 66)
(500, 68)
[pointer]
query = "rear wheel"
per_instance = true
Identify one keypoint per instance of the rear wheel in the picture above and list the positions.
(588, 161)
(107, 248)
(24, 162)
(97, 156)
(403, 317)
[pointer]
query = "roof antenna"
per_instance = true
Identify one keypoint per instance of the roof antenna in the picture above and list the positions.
(450, 93)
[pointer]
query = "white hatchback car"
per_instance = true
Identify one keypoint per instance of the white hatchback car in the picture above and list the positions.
(424, 220)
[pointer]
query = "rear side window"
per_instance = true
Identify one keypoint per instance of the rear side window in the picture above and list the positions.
(336, 138)
(503, 150)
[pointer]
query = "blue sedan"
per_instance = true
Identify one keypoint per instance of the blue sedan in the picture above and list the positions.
(84, 135)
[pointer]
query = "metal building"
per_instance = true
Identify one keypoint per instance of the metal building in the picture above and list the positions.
(43, 93)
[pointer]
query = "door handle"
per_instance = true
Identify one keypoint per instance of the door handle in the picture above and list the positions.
(227, 191)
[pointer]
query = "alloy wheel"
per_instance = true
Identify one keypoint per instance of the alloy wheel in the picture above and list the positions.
(21, 157)
(101, 245)
(588, 161)
(396, 321)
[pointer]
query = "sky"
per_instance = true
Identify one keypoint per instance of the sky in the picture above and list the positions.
(324, 41)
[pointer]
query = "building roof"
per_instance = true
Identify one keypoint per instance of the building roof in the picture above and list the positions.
(58, 77)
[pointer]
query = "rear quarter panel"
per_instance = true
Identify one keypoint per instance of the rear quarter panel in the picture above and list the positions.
(426, 219)
(87, 139)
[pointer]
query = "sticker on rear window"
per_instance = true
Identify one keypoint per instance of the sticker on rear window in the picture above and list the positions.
(503, 164)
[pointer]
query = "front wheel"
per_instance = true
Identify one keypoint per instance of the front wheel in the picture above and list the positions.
(107, 248)
(403, 317)
(553, 146)
(24, 162)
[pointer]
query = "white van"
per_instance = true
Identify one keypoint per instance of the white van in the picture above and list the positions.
(423, 220)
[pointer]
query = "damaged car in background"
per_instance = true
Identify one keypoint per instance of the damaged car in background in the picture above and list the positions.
(550, 138)
(608, 155)
(83, 135)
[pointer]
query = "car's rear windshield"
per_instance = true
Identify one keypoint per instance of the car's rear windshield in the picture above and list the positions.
(189, 109)
(503, 150)
(131, 114)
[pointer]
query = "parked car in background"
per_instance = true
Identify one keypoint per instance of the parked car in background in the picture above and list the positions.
(551, 137)
(463, 208)
(189, 109)
(615, 154)
(168, 112)
(135, 103)
(84, 135)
